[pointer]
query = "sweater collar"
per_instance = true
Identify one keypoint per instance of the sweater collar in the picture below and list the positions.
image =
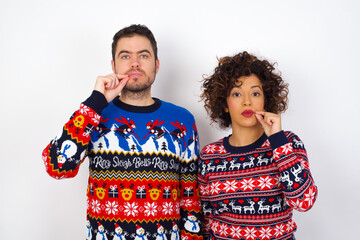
(138, 109)
(244, 149)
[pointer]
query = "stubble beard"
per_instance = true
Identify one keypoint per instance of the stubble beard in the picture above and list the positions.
(138, 89)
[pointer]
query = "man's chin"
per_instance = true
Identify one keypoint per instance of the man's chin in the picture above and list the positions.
(134, 85)
(136, 89)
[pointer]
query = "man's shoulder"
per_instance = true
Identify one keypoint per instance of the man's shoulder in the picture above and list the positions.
(171, 108)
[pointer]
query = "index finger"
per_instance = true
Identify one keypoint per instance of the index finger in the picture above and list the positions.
(121, 76)
(266, 114)
(260, 112)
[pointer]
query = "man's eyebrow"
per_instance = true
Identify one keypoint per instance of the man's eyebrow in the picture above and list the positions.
(141, 51)
(145, 50)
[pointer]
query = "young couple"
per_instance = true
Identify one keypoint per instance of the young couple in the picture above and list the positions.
(148, 179)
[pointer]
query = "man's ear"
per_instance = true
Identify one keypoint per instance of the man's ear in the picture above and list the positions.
(113, 66)
(157, 65)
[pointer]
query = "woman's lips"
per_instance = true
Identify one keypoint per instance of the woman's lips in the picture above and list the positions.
(247, 113)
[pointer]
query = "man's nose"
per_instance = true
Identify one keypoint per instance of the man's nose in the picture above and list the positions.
(135, 64)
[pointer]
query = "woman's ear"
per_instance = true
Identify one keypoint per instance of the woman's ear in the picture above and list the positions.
(226, 109)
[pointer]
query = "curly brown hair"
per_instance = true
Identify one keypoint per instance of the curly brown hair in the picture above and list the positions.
(218, 86)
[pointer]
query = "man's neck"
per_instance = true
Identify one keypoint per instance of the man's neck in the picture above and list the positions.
(140, 99)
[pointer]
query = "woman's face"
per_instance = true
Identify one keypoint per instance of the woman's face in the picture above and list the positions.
(244, 101)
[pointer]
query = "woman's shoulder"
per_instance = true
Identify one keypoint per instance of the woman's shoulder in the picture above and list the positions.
(214, 147)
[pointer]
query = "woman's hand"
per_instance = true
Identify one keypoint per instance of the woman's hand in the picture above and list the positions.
(270, 122)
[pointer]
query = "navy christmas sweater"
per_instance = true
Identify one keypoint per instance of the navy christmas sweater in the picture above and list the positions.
(250, 192)
(142, 168)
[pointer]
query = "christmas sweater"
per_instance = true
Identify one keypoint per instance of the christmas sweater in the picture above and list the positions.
(142, 168)
(250, 192)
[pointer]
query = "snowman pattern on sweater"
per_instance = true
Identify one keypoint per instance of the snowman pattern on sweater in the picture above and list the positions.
(160, 233)
(119, 233)
(88, 230)
(140, 233)
(175, 232)
(101, 235)
(192, 224)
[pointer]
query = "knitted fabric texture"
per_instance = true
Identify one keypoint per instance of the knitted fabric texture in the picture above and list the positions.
(142, 168)
(250, 192)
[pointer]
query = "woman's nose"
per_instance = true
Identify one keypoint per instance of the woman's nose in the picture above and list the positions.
(246, 101)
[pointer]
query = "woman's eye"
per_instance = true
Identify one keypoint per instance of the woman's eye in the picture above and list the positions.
(256, 94)
(236, 94)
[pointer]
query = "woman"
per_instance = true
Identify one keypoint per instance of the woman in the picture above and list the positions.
(251, 181)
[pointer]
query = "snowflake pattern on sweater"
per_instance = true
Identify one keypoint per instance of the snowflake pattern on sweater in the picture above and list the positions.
(143, 168)
(250, 192)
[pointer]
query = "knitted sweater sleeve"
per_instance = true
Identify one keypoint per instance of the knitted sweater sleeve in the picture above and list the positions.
(295, 177)
(190, 205)
(204, 194)
(64, 154)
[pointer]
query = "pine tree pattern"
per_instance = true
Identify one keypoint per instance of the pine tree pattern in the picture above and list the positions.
(250, 192)
(137, 174)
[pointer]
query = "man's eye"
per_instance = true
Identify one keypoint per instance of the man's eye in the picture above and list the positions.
(125, 57)
(144, 56)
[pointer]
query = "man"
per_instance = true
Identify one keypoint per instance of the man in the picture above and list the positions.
(142, 151)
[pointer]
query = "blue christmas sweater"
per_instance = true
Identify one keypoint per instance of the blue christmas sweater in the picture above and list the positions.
(142, 168)
(250, 192)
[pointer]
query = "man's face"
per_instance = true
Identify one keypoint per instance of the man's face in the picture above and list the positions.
(134, 56)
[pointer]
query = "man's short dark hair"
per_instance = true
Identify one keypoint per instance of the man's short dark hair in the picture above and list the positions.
(135, 29)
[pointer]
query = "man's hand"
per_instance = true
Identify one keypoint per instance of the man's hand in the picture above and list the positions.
(270, 122)
(111, 85)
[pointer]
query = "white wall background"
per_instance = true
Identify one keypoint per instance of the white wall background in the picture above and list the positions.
(52, 51)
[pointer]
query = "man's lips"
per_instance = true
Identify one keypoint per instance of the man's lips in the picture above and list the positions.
(135, 74)
(247, 113)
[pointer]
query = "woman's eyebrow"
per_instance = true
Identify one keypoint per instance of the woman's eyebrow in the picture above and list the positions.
(255, 86)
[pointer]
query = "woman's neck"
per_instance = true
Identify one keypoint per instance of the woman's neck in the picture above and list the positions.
(245, 136)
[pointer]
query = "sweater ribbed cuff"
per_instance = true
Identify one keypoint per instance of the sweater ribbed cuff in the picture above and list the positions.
(96, 102)
(278, 139)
